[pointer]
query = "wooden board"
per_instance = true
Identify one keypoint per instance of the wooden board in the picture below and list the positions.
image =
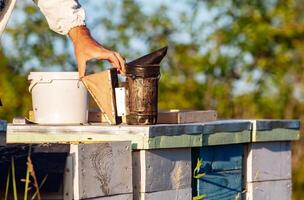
(221, 158)
(224, 185)
(115, 197)
(269, 190)
(182, 117)
(102, 88)
(226, 132)
(142, 137)
(103, 169)
(268, 161)
(160, 170)
(222, 166)
(180, 194)
(275, 130)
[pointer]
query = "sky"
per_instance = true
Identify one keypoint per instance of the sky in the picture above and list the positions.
(96, 8)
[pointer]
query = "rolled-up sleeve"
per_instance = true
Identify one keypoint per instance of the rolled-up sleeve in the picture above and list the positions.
(62, 15)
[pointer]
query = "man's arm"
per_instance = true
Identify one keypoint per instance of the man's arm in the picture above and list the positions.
(67, 17)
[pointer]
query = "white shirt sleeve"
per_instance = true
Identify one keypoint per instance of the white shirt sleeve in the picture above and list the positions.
(62, 15)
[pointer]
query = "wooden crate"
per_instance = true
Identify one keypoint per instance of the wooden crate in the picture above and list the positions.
(268, 170)
(99, 170)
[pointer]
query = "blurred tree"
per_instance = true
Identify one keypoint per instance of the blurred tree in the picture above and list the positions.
(13, 91)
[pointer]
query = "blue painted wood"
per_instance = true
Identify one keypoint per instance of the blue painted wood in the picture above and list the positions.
(220, 158)
(225, 185)
(223, 168)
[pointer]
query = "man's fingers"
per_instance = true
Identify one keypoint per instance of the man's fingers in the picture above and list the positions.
(114, 61)
(81, 68)
(121, 62)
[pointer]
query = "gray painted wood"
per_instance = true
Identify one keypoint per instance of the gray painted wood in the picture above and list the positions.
(115, 197)
(263, 125)
(181, 194)
(160, 135)
(103, 169)
(226, 126)
(269, 190)
(160, 170)
(175, 129)
(268, 161)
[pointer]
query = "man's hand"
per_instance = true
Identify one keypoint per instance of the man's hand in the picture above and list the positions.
(86, 48)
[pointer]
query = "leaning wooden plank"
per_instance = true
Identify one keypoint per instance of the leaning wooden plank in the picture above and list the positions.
(280, 189)
(179, 194)
(160, 170)
(102, 88)
(268, 161)
(102, 169)
(182, 117)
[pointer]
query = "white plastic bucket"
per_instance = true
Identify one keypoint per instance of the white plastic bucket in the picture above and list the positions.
(58, 98)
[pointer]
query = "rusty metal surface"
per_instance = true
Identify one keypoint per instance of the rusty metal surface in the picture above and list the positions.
(143, 98)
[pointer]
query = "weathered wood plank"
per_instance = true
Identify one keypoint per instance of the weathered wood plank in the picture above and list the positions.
(182, 117)
(222, 166)
(179, 194)
(275, 130)
(268, 161)
(223, 138)
(262, 125)
(277, 135)
(102, 169)
(224, 185)
(225, 126)
(154, 136)
(160, 170)
(221, 158)
(115, 197)
(68, 193)
(268, 190)
(182, 141)
(226, 132)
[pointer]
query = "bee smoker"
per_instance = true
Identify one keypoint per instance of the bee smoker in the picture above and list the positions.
(142, 94)
(142, 88)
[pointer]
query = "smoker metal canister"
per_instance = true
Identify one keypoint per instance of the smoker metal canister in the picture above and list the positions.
(142, 90)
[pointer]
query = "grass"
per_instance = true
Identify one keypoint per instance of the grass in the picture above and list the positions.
(198, 175)
(30, 181)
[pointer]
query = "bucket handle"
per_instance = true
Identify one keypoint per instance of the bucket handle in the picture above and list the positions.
(34, 83)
